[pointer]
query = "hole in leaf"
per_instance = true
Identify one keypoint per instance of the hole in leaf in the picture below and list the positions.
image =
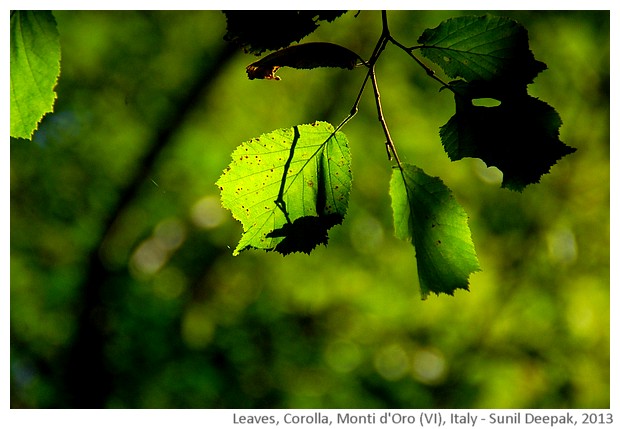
(486, 102)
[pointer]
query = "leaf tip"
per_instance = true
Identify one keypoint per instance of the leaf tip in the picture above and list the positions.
(262, 72)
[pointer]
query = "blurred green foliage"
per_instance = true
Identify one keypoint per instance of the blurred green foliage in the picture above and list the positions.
(183, 323)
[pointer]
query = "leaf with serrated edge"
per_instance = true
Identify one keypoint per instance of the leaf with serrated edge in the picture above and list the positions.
(270, 203)
(426, 213)
(482, 48)
(268, 30)
(520, 136)
(303, 56)
(35, 66)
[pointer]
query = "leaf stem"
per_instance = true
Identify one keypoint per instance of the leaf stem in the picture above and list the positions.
(429, 71)
(384, 38)
(389, 143)
(381, 43)
(355, 107)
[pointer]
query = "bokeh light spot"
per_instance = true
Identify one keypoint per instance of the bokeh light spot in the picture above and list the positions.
(207, 212)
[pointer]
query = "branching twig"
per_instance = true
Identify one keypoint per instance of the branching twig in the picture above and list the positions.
(376, 53)
(378, 50)
(370, 75)
(370, 64)
(429, 71)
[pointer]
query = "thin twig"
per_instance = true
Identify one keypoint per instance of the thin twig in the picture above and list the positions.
(429, 71)
(376, 53)
(355, 107)
(389, 143)
(370, 64)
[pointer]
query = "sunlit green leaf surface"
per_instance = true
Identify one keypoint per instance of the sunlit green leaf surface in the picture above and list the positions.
(288, 187)
(35, 66)
(426, 213)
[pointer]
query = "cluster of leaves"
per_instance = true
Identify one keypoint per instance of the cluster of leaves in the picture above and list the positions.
(491, 58)
(290, 186)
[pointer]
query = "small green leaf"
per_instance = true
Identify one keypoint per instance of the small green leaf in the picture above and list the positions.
(426, 213)
(520, 136)
(482, 48)
(288, 187)
(35, 66)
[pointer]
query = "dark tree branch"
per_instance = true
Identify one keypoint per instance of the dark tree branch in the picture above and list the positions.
(88, 376)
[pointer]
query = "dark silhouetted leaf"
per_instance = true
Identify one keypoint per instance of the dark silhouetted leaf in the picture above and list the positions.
(305, 233)
(303, 56)
(520, 136)
(258, 31)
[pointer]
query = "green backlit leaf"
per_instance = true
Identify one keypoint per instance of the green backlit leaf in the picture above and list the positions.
(426, 213)
(288, 187)
(35, 66)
